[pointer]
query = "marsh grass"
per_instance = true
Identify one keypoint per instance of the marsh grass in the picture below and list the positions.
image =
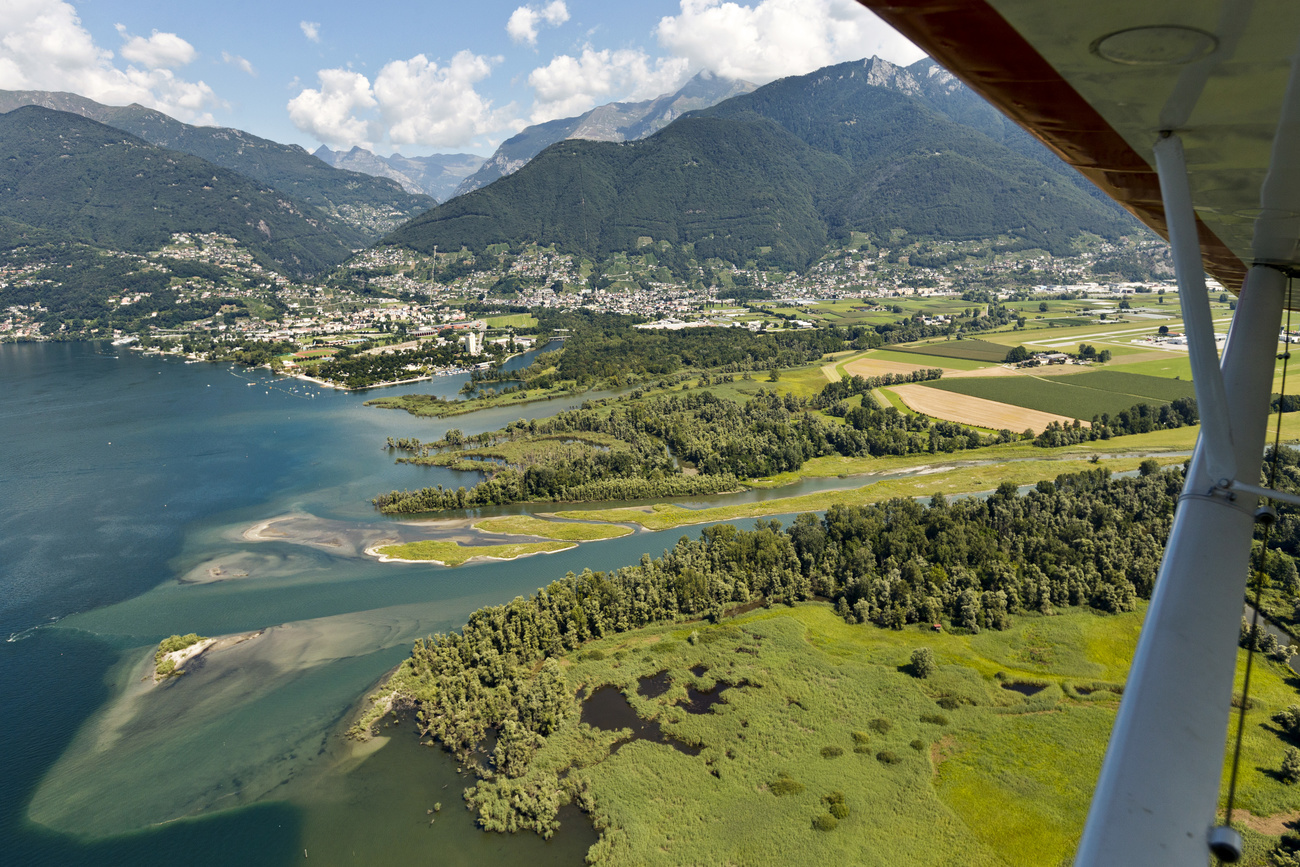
(567, 531)
(827, 707)
(453, 554)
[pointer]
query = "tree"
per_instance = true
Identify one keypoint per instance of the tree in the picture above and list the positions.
(1291, 766)
(1017, 355)
(1148, 466)
(923, 662)
(1042, 306)
(1162, 330)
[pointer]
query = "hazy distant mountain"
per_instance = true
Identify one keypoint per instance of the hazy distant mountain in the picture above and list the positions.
(617, 121)
(372, 205)
(771, 175)
(437, 175)
(73, 179)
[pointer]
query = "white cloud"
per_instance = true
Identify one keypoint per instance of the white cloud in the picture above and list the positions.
(158, 51)
(569, 86)
(241, 62)
(330, 113)
(411, 102)
(45, 47)
(775, 38)
(310, 29)
(425, 104)
(523, 22)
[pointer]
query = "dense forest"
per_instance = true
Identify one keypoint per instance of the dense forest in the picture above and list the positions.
(633, 447)
(971, 564)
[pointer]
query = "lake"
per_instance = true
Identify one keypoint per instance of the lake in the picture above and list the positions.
(131, 484)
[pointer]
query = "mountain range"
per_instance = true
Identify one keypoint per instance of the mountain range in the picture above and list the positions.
(772, 174)
(369, 204)
(437, 175)
(66, 178)
(615, 122)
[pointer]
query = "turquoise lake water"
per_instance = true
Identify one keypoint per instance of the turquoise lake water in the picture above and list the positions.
(131, 485)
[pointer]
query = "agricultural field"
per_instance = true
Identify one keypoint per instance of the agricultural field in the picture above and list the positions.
(733, 743)
(969, 350)
(1078, 396)
(982, 412)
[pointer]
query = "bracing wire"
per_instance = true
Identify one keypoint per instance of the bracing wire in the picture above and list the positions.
(1253, 635)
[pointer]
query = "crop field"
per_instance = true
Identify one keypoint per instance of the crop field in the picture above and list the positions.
(955, 768)
(971, 350)
(1158, 388)
(966, 409)
(1069, 396)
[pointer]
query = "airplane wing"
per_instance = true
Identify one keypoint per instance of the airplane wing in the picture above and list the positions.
(1186, 113)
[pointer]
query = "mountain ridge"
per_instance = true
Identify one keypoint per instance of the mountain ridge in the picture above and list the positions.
(68, 177)
(372, 205)
(615, 121)
(855, 147)
(436, 175)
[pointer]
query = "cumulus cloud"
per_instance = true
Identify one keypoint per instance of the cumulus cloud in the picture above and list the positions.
(241, 63)
(569, 86)
(330, 112)
(45, 47)
(411, 102)
(775, 38)
(159, 50)
(523, 22)
(310, 29)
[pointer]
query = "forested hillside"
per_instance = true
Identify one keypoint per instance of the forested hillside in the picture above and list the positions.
(734, 189)
(73, 179)
(369, 204)
(772, 175)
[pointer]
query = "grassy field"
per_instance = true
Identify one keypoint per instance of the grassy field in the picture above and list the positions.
(950, 769)
(453, 554)
(1078, 396)
(960, 480)
(567, 531)
(512, 320)
(970, 350)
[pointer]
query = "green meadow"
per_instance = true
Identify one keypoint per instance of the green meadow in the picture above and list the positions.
(953, 768)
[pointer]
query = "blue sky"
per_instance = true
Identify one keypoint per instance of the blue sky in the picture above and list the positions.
(431, 77)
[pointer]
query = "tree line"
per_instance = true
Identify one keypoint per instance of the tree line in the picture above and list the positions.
(721, 439)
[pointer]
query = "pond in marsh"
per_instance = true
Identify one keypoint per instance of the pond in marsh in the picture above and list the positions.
(607, 708)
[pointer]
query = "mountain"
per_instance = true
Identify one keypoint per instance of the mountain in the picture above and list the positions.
(64, 177)
(772, 174)
(617, 121)
(437, 175)
(729, 188)
(371, 205)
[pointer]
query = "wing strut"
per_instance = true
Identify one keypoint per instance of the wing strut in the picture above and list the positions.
(1155, 800)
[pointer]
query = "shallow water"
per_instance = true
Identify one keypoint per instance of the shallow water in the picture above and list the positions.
(146, 497)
